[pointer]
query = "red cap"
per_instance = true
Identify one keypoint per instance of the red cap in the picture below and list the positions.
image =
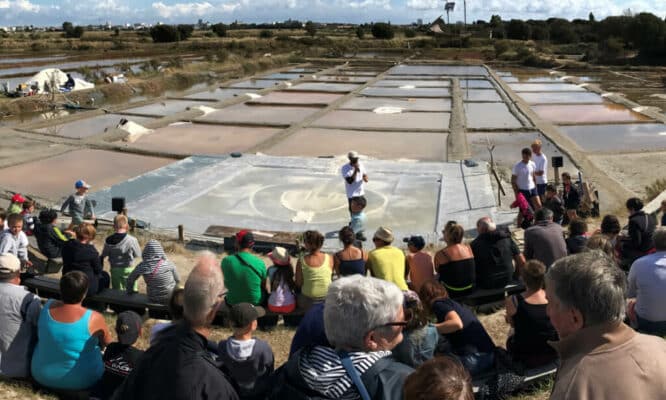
(17, 198)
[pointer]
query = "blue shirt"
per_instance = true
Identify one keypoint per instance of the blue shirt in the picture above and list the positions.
(358, 221)
(67, 356)
(311, 330)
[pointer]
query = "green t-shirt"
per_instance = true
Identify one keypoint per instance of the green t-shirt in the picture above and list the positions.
(243, 282)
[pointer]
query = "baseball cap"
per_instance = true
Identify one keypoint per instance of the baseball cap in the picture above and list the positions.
(242, 314)
(81, 184)
(9, 264)
(17, 198)
(352, 154)
(245, 239)
(416, 241)
(128, 327)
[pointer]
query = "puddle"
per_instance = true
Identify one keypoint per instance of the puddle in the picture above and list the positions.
(560, 97)
(256, 84)
(438, 70)
(283, 76)
(633, 137)
(343, 78)
(190, 139)
(69, 65)
(54, 177)
(584, 113)
(371, 103)
(87, 127)
(508, 146)
(480, 95)
(397, 92)
(241, 113)
(164, 108)
(324, 87)
(284, 97)
(476, 84)
(217, 94)
(416, 83)
(490, 115)
(313, 142)
(364, 119)
(545, 87)
(31, 59)
(199, 86)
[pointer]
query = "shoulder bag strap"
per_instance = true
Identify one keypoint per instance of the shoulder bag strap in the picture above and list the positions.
(353, 374)
(248, 265)
(154, 271)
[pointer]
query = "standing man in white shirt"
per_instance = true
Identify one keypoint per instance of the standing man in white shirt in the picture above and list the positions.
(355, 176)
(541, 172)
(523, 178)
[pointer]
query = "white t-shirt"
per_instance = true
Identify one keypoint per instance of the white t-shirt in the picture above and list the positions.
(541, 164)
(524, 172)
(355, 188)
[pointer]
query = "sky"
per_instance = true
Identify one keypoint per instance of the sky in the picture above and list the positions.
(116, 12)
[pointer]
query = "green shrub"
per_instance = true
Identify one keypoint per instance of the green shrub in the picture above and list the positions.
(382, 30)
(184, 31)
(266, 34)
(164, 34)
(501, 47)
(219, 29)
(360, 32)
(410, 33)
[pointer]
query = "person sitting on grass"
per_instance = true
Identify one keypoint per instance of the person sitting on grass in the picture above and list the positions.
(385, 261)
(28, 218)
(455, 262)
(351, 259)
(244, 273)
(639, 240)
(420, 337)
(81, 255)
(442, 378)
(418, 263)
(282, 299)
(120, 357)
(175, 313)
(314, 270)
(577, 236)
(68, 354)
(469, 341)
(14, 241)
(248, 361)
(160, 274)
(554, 203)
(600, 242)
(50, 239)
(526, 313)
(121, 248)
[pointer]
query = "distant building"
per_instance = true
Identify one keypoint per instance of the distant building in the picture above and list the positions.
(419, 21)
(437, 25)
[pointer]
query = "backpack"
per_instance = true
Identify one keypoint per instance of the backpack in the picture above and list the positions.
(281, 294)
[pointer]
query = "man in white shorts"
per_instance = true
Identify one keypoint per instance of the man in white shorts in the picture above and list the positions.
(523, 178)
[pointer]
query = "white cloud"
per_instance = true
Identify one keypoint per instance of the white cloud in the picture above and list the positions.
(379, 4)
(19, 6)
(191, 9)
(111, 6)
(424, 4)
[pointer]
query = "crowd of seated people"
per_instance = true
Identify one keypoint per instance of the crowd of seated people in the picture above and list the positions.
(363, 331)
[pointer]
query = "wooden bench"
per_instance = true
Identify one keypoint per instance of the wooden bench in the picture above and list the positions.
(42, 264)
(486, 296)
(118, 300)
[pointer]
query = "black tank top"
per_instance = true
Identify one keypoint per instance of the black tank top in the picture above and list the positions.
(532, 331)
(458, 277)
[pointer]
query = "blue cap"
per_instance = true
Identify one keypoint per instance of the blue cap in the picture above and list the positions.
(81, 184)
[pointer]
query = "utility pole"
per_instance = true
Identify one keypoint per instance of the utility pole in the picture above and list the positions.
(464, 14)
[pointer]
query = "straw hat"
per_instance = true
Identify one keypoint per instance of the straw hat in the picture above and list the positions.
(280, 256)
(384, 234)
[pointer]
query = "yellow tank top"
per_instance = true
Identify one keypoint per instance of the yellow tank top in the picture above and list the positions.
(316, 279)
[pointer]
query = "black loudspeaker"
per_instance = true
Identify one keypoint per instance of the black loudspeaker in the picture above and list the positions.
(117, 204)
(558, 161)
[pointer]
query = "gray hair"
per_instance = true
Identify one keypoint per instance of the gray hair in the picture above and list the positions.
(202, 290)
(485, 224)
(591, 283)
(660, 239)
(543, 214)
(355, 305)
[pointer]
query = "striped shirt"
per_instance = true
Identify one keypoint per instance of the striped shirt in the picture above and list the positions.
(322, 370)
(160, 274)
